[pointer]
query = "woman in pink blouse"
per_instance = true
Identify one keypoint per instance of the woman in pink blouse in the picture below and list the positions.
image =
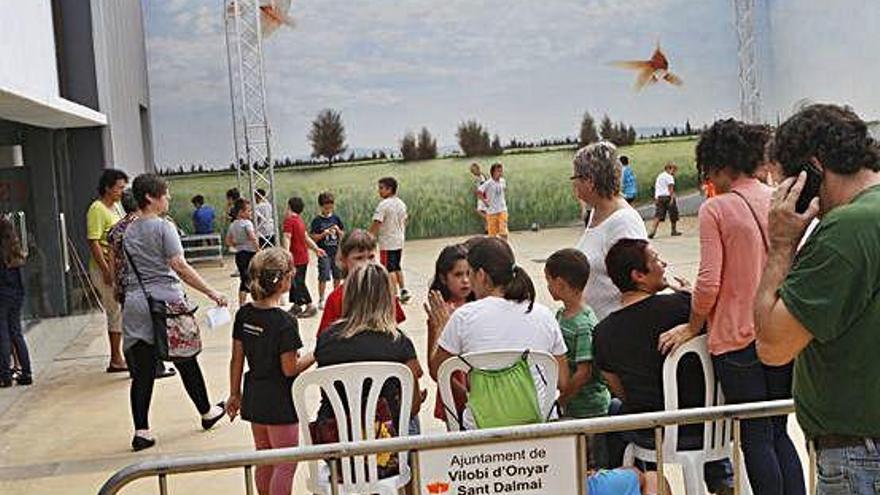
(733, 252)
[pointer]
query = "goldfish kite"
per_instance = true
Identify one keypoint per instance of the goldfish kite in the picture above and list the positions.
(273, 15)
(651, 71)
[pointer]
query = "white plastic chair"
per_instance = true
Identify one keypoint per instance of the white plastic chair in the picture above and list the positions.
(494, 360)
(717, 435)
(359, 474)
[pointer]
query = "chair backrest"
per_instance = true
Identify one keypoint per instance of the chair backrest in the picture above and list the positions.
(359, 474)
(716, 434)
(544, 368)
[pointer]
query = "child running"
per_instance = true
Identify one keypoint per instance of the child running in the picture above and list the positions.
(296, 240)
(267, 338)
(327, 230)
(357, 249)
(451, 286)
(567, 271)
(494, 191)
(389, 226)
(242, 236)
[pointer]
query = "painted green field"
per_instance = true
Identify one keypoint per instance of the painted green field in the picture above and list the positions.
(439, 192)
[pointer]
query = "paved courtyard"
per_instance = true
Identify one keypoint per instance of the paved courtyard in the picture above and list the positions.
(71, 430)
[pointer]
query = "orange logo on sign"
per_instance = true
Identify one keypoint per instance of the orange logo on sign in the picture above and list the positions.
(438, 487)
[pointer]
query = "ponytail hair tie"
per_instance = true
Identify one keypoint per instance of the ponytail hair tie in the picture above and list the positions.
(513, 268)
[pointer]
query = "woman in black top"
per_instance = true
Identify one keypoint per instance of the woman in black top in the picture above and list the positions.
(368, 332)
(268, 338)
(11, 301)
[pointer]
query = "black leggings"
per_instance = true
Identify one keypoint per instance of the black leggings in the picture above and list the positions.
(141, 359)
(299, 293)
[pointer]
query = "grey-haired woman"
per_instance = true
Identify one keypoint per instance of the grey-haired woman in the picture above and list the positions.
(596, 181)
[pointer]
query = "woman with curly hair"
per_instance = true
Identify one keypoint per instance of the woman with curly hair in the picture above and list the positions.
(733, 252)
(596, 181)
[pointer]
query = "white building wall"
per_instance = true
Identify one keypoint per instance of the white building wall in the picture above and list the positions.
(27, 49)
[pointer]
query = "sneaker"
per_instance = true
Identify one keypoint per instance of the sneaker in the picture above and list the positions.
(209, 423)
(404, 296)
(294, 310)
(675, 233)
(163, 372)
(308, 312)
(651, 235)
(23, 379)
(139, 443)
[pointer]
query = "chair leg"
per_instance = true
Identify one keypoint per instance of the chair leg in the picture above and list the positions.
(629, 456)
(693, 476)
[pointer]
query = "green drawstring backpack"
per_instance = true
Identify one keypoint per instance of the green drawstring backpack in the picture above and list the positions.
(503, 397)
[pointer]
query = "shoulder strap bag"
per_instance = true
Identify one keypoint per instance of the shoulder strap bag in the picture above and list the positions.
(758, 221)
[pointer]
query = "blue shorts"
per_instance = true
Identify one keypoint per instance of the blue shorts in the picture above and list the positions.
(327, 268)
(614, 482)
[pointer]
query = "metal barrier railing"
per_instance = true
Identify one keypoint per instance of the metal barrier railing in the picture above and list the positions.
(414, 444)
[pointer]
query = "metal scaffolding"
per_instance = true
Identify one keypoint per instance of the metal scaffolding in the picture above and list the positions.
(250, 125)
(749, 92)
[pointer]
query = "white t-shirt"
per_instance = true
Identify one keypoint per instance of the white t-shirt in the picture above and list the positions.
(265, 220)
(392, 233)
(479, 181)
(494, 191)
(661, 185)
(600, 293)
(494, 324)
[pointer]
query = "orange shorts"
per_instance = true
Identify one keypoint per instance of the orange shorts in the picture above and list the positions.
(496, 224)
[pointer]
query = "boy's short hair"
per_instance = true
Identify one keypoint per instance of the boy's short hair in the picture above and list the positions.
(296, 204)
(571, 266)
(625, 256)
(495, 166)
(232, 194)
(624, 159)
(390, 183)
(261, 193)
(326, 198)
(198, 200)
(357, 240)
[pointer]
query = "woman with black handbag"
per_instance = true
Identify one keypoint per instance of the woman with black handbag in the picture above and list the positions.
(152, 318)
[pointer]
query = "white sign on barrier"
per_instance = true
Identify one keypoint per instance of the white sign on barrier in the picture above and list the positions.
(531, 467)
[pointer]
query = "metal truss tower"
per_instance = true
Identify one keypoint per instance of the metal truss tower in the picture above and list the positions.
(749, 93)
(250, 125)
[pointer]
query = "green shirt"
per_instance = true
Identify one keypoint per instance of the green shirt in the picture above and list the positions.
(593, 398)
(99, 221)
(834, 291)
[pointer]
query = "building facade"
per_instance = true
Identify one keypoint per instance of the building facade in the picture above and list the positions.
(74, 100)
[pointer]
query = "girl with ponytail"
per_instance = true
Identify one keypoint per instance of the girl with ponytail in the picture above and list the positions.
(267, 338)
(505, 315)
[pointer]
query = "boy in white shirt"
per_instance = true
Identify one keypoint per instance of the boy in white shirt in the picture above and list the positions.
(493, 192)
(664, 199)
(389, 227)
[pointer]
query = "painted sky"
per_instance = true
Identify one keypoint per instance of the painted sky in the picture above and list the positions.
(527, 69)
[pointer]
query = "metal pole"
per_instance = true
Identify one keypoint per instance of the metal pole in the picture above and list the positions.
(249, 480)
(811, 454)
(582, 460)
(416, 472)
(229, 65)
(658, 448)
(334, 477)
(737, 457)
(163, 484)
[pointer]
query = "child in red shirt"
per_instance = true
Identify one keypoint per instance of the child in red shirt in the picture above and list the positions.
(296, 240)
(358, 248)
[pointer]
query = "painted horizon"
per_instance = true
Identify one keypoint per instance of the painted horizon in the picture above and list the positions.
(527, 71)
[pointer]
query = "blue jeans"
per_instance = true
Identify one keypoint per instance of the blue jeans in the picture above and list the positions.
(849, 470)
(11, 338)
(771, 459)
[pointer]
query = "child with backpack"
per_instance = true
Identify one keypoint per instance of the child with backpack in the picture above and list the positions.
(451, 286)
(267, 338)
(358, 248)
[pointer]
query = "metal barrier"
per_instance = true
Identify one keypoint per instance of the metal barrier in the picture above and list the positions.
(414, 444)
(203, 247)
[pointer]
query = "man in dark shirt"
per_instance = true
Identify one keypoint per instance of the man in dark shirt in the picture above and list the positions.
(627, 353)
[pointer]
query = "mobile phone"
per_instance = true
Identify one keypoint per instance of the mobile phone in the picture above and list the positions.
(811, 188)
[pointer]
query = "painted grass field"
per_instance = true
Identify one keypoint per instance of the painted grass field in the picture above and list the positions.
(439, 192)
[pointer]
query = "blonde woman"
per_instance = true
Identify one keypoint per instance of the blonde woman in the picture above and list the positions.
(368, 332)
(267, 337)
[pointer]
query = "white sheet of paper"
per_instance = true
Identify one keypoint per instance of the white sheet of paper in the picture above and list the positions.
(218, 316)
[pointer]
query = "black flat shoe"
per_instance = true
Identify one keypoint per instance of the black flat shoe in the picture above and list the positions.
(141, 443)
(24, 380)
(164, 372)
(5, 383)
(207, 424)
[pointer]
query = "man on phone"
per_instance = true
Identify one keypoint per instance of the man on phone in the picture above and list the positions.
(821, 305)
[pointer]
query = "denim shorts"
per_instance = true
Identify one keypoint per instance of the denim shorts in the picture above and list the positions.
(849, 470)
(327, 269)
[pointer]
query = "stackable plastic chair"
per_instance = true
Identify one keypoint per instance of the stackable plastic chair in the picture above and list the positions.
(717, 435)
(359, 474)
(545, 381)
